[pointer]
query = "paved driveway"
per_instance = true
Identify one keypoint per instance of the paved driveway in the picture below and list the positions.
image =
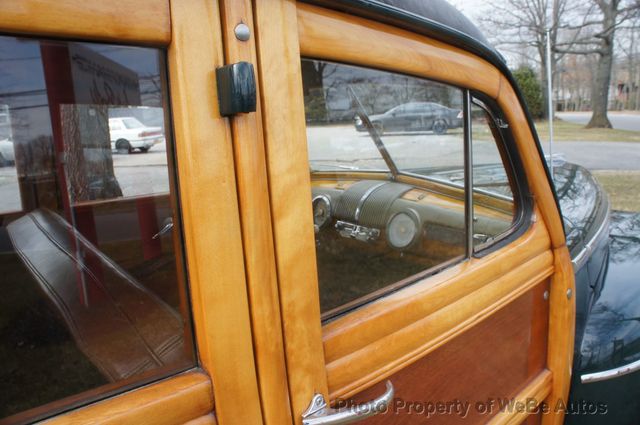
(619, 120)
(599, 155)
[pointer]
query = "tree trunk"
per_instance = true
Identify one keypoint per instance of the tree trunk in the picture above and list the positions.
(600, 93)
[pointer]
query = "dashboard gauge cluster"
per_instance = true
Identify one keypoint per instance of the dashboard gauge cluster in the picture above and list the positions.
(321, 211)
(370, 211)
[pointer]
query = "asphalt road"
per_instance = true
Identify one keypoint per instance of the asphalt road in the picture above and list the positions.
(137, 173)
(599, 155)
(343, 147)
(619, 120)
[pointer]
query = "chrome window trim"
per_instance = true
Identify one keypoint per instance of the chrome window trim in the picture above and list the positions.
(585, 253)
(611, 373)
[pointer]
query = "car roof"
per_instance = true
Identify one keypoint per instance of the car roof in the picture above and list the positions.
(441, 12)
(434, 18)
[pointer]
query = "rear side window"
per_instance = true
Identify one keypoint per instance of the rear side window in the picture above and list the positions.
(93, 285)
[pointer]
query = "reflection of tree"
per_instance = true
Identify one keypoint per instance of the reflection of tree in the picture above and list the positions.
(624, 237)
(314, 74)
(151, 90)
(604, 321)
(327, 98)
(87, 151)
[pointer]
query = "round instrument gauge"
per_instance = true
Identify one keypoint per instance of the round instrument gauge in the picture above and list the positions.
(403, 229)
(321, 211)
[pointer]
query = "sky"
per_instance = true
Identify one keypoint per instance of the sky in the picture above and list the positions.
(471, 8)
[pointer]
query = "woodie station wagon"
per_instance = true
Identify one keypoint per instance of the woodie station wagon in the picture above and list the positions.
(283, 254)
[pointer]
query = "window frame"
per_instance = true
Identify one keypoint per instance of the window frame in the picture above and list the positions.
(201, 137)
(522, 198)
(103, 392)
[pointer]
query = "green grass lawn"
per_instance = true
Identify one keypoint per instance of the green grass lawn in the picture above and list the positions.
(565, 131)
(623, 188)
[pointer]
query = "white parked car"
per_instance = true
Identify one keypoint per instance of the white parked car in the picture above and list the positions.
(7, 155)
(127, 134)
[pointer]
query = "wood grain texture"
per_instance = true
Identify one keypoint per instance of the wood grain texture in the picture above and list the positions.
(213, 237)
(326, 34)
(401, 348)
(561, 333)
(289, 187)
(532, 162)
(257, 236)
(347, 335)
(175, 400)
(120, 21)
(538, 389)
(490, 361)
(209, 419)
(331, 35)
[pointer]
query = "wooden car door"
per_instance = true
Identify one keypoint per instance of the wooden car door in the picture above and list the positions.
(465, 324)
(153, 324)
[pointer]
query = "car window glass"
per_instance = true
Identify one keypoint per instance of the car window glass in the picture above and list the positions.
(94, 291)
(493, 199)
(384, 215)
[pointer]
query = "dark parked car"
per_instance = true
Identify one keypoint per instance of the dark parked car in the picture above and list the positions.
(415, 116)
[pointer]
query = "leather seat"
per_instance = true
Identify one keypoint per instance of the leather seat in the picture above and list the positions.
(121, 326)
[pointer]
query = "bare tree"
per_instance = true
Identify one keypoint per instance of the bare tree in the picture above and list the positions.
(628, 64)
(520, 27)
(597, 38)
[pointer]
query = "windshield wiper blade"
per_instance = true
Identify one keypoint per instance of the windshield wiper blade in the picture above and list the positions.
(362, 114)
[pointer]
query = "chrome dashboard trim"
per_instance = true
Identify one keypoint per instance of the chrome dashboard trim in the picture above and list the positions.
(365, 196)
(328, 202)
(611, 373)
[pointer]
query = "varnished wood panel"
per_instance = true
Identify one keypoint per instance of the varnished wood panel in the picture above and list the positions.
(491, 360)
(290, 195)
(209, 419)
(330, 35)
(208, 193)
(377, 320)
(257, 236)
(529, 400)
(561, 332)
(389, 354)
(119, 21)
(533, 166)
(175, 400)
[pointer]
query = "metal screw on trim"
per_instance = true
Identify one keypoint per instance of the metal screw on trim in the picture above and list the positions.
(545, 295)
(242, 32)
(569, 294)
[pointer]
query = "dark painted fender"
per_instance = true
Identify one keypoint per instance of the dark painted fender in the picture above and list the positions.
(609, 335)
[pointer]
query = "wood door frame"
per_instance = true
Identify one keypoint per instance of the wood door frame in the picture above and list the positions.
(347, 343)
(189, 30)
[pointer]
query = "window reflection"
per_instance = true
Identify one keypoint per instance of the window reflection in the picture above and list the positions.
(93, 294)
(384, 151)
